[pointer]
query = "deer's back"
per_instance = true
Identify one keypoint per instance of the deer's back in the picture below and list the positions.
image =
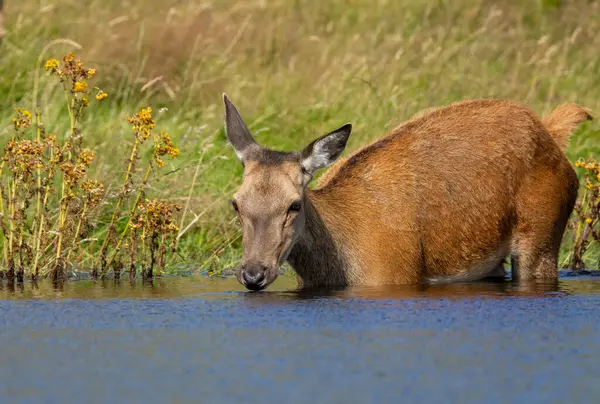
(438, 190)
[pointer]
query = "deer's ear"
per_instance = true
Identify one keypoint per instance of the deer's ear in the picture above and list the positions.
(236, 130)
(325, 150)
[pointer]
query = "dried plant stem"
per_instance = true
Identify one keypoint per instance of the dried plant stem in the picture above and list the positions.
(133, 251)
(161, 254)
(112, 226)
(135, 204)
(152, 249)
(131, 213)
(143, 251)
(38, 244)
(78, 229)
(579, 239)
(61, 228)
(583, 205)
(38, 204)
(11, 221)
(21, 227)
(65, 189)
(70, 107)
(4, 240)
(580, 247)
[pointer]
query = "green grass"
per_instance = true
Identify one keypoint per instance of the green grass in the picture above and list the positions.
(295, 69)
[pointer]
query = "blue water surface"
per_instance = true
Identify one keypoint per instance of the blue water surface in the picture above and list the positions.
(187, 340)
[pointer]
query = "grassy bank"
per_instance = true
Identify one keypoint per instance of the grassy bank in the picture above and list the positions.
(295, 69)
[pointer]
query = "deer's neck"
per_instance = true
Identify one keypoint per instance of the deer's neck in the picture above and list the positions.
(315, 257)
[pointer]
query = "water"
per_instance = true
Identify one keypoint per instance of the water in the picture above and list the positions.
(198, 340)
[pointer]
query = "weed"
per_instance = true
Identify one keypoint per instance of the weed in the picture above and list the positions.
(32, 170)
(586, 215)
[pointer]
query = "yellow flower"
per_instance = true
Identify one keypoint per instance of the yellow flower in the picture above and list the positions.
(91, 73)
(588, 220)
(52, 65)
(24, 112)
(146, 116)
(101, 95)
(85, 102)
(142, 124)
(79, 86)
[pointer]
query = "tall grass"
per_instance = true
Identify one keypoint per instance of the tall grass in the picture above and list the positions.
(295, 69)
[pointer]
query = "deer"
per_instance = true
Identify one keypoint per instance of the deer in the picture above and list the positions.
(447, 196)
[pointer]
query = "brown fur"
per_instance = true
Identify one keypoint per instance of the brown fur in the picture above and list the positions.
(445, 196)
(563, 120)
(451, 191)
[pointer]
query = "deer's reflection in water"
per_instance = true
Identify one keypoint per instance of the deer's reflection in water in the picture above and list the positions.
(498, 289)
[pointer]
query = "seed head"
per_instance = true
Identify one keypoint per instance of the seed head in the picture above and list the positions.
(156, 216)
(163, 145)
(73, 172)
(94, 190)
(50, 140)
(74, 69)
(22, 120)
(24, 156)
(86, 157)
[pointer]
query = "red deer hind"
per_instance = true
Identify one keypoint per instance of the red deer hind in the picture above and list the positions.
(446, 196)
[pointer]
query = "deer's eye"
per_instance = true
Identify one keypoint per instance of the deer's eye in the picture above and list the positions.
(235, 206)
(295, 206)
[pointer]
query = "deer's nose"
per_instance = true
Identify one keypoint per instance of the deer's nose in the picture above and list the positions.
(254, 276)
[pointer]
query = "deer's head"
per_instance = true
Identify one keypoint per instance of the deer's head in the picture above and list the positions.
(270, 202)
